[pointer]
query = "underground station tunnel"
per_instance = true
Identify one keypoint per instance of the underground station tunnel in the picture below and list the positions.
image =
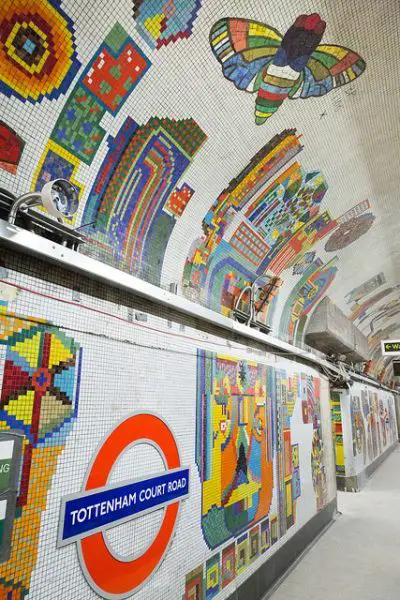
(199, 299)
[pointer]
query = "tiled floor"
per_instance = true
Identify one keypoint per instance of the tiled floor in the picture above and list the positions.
(358, 558)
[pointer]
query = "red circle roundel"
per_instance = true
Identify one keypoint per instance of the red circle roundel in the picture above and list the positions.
(96, 507)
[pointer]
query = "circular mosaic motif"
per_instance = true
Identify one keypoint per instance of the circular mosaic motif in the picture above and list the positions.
(349, 232)
(37, 49)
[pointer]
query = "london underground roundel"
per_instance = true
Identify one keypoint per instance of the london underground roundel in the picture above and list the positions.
(85, 516)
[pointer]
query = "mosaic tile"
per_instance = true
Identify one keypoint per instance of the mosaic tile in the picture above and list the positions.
(39, 397)
(37, 49)
(161, 23)
(258, 59)
(133, 223)
(11, 147)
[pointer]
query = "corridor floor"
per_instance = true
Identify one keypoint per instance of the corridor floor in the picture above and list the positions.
(358, 558)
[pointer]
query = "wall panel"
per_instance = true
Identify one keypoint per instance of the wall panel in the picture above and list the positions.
(253, 428)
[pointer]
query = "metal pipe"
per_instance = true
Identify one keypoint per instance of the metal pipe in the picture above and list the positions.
(245, 289)
(253, 295)
(30, 197)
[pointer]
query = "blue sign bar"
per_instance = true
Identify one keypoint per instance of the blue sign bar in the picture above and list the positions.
(87, 512)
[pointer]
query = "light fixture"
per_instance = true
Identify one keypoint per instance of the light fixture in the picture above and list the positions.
(59, 197)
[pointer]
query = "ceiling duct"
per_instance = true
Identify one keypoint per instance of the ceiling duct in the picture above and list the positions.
(330, 331)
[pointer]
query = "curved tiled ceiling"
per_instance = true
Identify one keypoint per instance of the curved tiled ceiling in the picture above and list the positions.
(188, 178)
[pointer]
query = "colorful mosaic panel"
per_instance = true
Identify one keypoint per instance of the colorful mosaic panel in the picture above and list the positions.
(217, 270)
(194, 589)
(238, 401)
(254, 543)
(265, 536)
(77, 129)
(213, 577)
(135, 200)
(242, 553)
(178, 201)
(301, 267)
(249, 244)
(338, 433)
(311, 404)
(110, 77)
(358, 428)
(258, 59)
(161, 22)
(304, 296)
(39, 397)
(11, 146)
(366, 288)
(228, 570)
(303, 238)
(373, 429)
(296, 483)
(233, 453)
(115, 72)
(366, 309)
(37, 49)
(263, 166)
(273, 525)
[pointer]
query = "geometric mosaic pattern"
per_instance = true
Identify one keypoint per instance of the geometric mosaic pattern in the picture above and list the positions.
(213, 577)
(77, 129)
(310, 289)
(217, 270)
(11, 147)
(113, 73)
(278, 222)
(39, 397)
(37, 49)
(135, 200)
(228, 434)
(337, 430)
(349, 232)
(311, 410)
(237, 446)
(369, 414)
(160, 23)
(358, 293)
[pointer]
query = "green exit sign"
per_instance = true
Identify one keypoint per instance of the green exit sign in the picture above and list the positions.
(391, 347)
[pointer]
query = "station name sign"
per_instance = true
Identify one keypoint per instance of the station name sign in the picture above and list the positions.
(84, 514)
(391, 347)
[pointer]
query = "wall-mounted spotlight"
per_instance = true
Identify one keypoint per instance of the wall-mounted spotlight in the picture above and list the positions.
(59, 197)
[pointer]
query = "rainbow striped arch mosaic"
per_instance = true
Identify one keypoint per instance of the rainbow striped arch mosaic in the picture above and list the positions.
(37, 50)
(138, 195)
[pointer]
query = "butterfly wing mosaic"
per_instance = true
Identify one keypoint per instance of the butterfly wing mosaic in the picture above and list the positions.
(258, 59)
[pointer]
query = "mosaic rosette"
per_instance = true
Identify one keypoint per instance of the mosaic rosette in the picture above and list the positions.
(39, 397)
(37, 50)
(39, 378)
